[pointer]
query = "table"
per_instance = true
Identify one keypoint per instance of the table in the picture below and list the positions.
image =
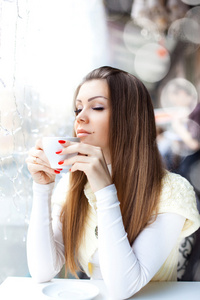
(23, 288)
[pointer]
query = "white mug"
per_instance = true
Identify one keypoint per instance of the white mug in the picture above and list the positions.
(51, 146)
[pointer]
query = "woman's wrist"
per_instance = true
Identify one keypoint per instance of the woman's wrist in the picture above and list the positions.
(43, 188)
(106, 196)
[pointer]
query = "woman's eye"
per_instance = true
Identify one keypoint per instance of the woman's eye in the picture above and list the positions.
(77, 111)
(98, 108)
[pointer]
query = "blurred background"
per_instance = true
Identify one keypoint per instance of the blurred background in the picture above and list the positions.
(47, 46)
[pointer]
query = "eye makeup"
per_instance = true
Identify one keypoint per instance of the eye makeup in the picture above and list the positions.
(77, 111)
(98, 108)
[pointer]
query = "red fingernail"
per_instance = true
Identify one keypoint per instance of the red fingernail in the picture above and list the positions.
(61, 142)
(61, 162)
(58, 152)
(57, 172)
(59, 169)
(70, 170)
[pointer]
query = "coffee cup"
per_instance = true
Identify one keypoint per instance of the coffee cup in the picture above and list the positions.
(51, 146)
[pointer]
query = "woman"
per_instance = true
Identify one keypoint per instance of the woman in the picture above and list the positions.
(121, 215)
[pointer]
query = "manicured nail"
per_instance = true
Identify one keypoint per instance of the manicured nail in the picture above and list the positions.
(70, 170)
(59, 169)
(61, 141)
(57, 172)
(59, 151)
(61, 162)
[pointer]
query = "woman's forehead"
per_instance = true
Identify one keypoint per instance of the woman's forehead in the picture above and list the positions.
(93, 88)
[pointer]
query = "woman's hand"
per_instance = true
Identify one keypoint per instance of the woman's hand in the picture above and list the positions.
(90, 160)
(38, 165)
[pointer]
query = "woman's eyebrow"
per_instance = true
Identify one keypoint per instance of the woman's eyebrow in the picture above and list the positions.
(90, 99)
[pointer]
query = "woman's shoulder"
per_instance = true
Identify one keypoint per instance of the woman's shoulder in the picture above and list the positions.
(178, 196)
(175, 182)
(175, 187)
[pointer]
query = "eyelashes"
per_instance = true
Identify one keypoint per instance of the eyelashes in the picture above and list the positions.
(77, 111)
(98, 108)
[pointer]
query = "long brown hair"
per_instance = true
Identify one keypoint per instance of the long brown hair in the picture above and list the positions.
(136, 164)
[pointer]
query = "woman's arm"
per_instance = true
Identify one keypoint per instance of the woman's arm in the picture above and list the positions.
(127, 269)
(44, 241)
(45, 250)
(122, 269)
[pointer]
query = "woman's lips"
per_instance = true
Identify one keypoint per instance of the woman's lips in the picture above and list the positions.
(82, 133)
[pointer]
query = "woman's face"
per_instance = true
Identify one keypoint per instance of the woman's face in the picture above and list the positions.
(93, 114)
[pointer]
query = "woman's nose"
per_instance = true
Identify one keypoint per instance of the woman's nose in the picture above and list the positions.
(82, 117)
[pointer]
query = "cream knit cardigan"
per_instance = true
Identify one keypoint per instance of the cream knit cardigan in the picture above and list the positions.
(177, 196)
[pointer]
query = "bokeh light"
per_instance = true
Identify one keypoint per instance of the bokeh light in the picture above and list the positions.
(185, 30)
(181, 137)
(118, 6)
(152, 62)
(135, 36)
(192, 30)
(194, 175)
(191, 2)
(179, 97)
(192, 130)
(194, 14)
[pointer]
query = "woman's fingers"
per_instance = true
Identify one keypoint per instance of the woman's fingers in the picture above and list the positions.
(95, 169)
(39, 155)
(39, 145)
(39, 166)
(87, 154)
(75, 159)
(40, 173)
(81, 148)
(39, 152)
(35, 167)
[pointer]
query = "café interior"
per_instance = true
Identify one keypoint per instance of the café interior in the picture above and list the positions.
(44, 44)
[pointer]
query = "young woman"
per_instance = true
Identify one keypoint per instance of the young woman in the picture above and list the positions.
(118, 214)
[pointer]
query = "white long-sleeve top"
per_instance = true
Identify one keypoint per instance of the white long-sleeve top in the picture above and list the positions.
(124, 268)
